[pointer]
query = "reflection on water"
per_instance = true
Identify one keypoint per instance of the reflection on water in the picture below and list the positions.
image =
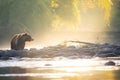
(77, 69)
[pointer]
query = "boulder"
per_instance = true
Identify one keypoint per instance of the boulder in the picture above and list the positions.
(110, 63)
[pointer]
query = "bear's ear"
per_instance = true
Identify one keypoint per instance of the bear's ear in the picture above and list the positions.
(25, 34)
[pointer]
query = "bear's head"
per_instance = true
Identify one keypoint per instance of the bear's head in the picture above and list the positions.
(26, 37)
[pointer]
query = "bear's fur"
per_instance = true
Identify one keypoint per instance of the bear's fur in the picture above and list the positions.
(18, 41)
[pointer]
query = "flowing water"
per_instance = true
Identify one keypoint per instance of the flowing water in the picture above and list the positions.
(59, 69)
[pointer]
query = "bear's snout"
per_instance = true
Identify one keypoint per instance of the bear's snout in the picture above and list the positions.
(32, 39)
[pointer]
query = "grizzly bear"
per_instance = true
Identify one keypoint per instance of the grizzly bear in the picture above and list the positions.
(18, 41)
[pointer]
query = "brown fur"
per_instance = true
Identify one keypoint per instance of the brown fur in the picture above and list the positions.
(18, 41)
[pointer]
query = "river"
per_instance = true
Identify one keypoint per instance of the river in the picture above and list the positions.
(59, 69)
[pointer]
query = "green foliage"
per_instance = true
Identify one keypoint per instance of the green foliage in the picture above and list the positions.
(115, 16)
(24, 16)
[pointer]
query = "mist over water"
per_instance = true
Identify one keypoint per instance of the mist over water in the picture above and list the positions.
(50, 22)
(56, 37)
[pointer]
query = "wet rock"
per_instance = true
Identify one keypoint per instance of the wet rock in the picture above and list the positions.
(5, 58)
(102, 55)
(84, 50)
(2, 53)
(48, 64)
(117, 50)
(73, 57)
(107, 50)
(110, 63)
(33, 49)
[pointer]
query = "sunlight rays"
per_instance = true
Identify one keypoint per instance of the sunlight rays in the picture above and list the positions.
(74, 9)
